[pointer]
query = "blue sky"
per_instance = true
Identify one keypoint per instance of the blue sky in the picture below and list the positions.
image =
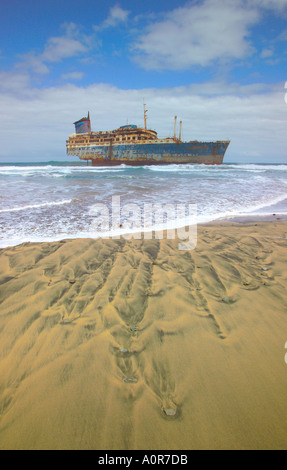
(219, 65)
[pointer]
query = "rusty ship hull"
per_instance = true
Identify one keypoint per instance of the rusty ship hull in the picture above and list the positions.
(131, 145)
(209, 153)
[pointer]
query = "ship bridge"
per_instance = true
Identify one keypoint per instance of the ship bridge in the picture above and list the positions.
(128, 127)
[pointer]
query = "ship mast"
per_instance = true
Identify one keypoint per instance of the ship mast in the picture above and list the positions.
(175, 118)
(180, 124)
(145, 118)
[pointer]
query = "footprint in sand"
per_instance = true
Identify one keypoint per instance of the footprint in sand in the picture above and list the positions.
(163, 386)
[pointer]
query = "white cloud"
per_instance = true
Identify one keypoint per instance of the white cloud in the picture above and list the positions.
(116, 16)
(197, 34)
(14, 82)
(72, 76)
(56, 49)
(34, 63)
(35, 125)
(277, 5)
(283, 36)
(267, 53)
(71, 30)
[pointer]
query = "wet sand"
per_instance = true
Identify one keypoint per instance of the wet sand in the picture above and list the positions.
(116, 344)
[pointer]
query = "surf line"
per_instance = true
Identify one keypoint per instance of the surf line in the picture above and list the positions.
(109, 460)
(37, 206)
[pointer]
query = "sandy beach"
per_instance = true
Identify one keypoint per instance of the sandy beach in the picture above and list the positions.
(133, 344)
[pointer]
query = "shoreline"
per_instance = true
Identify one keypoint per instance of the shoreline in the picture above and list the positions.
(251, 219)
(134, 345)
(239, 219)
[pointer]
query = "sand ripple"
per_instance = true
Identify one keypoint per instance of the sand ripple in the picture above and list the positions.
(116, 344)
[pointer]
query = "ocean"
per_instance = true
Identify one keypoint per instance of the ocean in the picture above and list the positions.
(43, 202)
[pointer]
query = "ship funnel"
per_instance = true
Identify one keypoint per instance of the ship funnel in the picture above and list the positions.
(83, 125)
